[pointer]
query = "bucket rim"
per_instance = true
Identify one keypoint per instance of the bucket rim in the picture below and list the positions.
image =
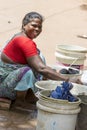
(44, 97)
(69, 48)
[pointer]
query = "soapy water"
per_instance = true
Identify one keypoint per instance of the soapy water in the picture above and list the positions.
(63, 92)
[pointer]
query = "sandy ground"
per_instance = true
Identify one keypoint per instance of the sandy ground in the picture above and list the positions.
(64, 20)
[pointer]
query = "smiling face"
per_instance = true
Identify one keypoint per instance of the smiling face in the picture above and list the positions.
(33, 28)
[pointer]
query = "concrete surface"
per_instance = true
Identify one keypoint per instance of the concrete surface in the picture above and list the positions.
(64, 20)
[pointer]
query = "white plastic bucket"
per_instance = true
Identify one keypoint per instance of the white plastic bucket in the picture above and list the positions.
(54, 114)
(67, 54)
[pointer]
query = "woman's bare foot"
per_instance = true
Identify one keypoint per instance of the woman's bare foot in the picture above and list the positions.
(30, 97)
(26, 102)
(23, 105)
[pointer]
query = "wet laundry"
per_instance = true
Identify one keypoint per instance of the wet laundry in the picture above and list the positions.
(63, 92)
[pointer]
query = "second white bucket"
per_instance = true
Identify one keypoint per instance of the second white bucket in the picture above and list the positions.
(54, 114)
(67, 54)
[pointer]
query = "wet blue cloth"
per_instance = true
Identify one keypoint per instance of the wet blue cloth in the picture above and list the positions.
(63, 92)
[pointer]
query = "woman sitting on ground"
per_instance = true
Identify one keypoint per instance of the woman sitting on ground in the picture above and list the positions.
(22, 63)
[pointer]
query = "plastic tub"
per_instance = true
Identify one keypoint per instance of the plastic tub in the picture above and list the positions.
(72, 77)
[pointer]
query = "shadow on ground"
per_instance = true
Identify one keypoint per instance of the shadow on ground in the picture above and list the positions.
(18, 119)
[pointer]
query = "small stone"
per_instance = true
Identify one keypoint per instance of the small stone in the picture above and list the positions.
(9, 21)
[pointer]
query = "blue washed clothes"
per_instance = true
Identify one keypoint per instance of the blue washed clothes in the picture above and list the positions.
(63, 92)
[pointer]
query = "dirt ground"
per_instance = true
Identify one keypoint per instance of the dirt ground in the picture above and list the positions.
(18, 120)
(64, 21)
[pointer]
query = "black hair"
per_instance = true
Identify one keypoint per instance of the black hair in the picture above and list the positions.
(30, 16)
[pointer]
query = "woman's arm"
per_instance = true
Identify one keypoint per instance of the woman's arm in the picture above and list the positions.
(37, 64)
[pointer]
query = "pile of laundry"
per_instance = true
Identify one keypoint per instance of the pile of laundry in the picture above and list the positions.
(63, 92)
